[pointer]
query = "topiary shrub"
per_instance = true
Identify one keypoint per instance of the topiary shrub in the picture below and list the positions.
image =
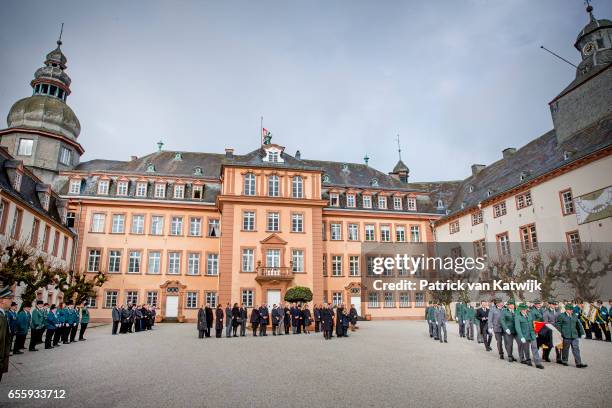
(298, 294)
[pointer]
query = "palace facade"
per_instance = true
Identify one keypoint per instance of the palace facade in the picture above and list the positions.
(178, 229)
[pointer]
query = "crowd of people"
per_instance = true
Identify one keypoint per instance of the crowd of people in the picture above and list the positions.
(282, 319)
(533, 326)
(49, 324)
(133, 318)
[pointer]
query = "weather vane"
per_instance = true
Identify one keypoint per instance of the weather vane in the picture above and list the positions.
(399, 147)
(59, 41)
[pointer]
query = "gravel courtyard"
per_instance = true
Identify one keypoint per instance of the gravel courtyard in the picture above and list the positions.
(385, 363)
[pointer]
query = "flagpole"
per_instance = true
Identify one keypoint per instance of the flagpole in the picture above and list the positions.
(261, 130)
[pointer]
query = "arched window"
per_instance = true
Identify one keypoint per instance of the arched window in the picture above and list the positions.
(273, 186)
(249, 184)
(297, 190)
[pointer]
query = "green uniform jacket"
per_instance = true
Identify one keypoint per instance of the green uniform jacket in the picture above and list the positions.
(85, 315)
(524, 327)
(507, 321)
(536, 315)
(459, 310)
(569, 326)
(469, 314)
(23, 322)
(61, 316)
(38, 321)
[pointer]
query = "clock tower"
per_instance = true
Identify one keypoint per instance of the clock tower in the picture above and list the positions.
(587, 99)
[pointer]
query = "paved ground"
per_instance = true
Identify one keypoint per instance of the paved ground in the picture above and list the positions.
(388, 363)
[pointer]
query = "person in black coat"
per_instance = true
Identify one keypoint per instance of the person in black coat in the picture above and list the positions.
(317, 318)
(235, 319)
(287, 317)
(202, 324)
(339, 328)
(209, 319)
(243, 320)
(327, 321)
(255, 317)
(306, 317)
(218, 321)
(263, 320)
(276, 316)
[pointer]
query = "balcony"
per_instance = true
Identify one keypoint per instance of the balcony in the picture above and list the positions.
(266, 273)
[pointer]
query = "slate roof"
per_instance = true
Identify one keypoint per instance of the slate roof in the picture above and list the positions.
(27, 194)
(356, 175)
(538, 157)
(164, 162)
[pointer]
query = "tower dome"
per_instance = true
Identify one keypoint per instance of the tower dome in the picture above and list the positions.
(42, 129)
(46, 109)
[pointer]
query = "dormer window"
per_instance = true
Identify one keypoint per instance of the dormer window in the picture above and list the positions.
(411, 204)
(367, 201)
(471, 189)
(103, 187)
(178, 156)
(489, 193)
(345, 168)
(440, 205)
(160, 190)
(197, 171)
(141, 189)
(382, 202)
(273, 155)
(374, 182)
(75, 187)
(122, 188)
(397, 203)
(334, 200)
(567, 155)
(350, 200)
(196, 192)
(150, 168)
(326, 178)
(179, 191)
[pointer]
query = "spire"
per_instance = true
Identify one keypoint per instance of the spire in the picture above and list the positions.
(589, 10)
(366, 159)
(160, 145)
(399, 148)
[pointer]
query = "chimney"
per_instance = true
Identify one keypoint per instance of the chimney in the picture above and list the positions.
(229, 153)
(298, 155)
(477, 168)
(508, 151)
(132, 158)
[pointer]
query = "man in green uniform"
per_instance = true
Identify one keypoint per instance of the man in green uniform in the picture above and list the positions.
(469, 314)
(6, 296)
(459, 317)
(60, 326)
(526, 334)
(84, 320)
(24, 320)
(509, 329)
(38, 325)
(571, 329)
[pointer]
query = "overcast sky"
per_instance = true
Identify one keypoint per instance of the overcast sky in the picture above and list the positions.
(459, 80)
